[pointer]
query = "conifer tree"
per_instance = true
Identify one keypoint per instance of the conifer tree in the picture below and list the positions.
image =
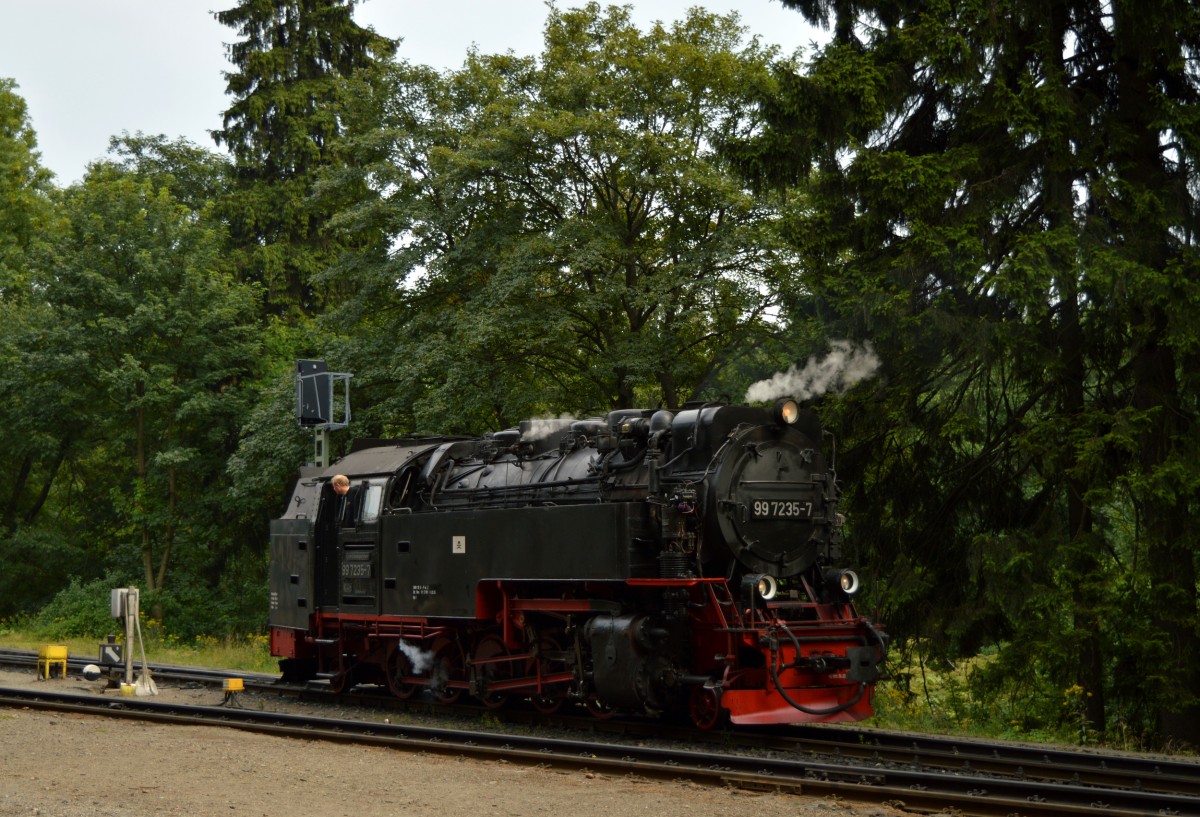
(1006, 201)
(283, 127)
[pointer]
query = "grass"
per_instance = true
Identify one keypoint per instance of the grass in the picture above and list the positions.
(249, 654)
(948, 700)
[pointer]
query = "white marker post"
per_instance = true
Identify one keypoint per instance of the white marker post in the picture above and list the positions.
(121, 603)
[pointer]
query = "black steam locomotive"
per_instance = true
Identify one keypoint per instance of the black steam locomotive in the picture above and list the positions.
(645, 561)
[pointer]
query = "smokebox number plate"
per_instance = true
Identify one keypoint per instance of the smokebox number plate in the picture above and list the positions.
(780, 509)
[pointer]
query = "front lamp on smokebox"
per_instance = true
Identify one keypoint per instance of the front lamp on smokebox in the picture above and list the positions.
(843, 580)
(758, 586)
(786, 411)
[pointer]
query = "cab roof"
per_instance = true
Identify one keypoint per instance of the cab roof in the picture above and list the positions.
(384, 458)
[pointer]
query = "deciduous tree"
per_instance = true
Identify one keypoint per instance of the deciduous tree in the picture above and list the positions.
(565, 234)
(160, 338)
(37, 428)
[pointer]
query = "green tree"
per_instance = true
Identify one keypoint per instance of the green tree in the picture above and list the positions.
(161, 340)
(39, 424)
(1004, 200)
(196, 178)
(565, 233)
(25, 217)
(24, 188)
(284, 125)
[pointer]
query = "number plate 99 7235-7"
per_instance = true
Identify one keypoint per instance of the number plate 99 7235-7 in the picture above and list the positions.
(356, 570)
(780, 509)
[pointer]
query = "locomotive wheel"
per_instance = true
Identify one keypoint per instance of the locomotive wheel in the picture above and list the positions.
(553, 696)
(704, 706)
(343, 681)
(448, 665)
(550, 701)
(600, 710)
(488, 647)
(399, 666)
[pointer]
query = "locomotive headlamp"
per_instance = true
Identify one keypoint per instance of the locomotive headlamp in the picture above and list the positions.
(844, 580)
(761, 586)
(786, 411)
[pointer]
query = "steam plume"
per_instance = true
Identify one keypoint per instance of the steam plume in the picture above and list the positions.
(545, 426)
(420, 659)
(845, 365)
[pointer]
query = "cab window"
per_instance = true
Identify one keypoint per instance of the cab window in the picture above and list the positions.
(371, 501)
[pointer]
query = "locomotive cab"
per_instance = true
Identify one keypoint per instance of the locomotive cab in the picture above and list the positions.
(355, 539)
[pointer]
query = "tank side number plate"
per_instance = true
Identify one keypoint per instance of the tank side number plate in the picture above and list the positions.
(458, 544)
(781, 508)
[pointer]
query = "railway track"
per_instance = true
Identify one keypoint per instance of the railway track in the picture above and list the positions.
(923, 791)
(1047, 765)
(916, 773)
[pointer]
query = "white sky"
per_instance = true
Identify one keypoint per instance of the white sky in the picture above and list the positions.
(91, 69)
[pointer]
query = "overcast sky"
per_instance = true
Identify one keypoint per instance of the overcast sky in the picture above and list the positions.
(90, 69)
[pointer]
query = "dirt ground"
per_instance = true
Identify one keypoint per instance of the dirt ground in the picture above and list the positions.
(66, 765)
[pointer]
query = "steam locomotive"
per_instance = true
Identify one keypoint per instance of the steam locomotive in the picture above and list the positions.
(644, 561)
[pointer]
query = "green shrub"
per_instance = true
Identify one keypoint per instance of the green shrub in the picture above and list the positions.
(36, 565)
(79, 610)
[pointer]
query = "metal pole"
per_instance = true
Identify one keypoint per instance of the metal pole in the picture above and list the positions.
(321, 446)
(131, 611)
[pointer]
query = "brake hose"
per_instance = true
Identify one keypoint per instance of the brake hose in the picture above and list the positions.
(862, 686)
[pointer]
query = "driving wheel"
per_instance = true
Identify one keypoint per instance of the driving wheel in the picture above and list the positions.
(553, 696)
(488, 671)
(705, 706)
(399, 667)
(448, 665)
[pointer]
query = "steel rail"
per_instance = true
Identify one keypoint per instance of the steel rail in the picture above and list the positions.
(969, 794)
(895, 751)
(917, 751)
(1005, 759)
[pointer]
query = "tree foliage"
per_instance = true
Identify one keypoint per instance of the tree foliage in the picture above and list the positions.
(566, 235)
(32, 448)
(142, 348)
(24, 189)
(1001, 198)
(1004, 200)
(283, 126)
